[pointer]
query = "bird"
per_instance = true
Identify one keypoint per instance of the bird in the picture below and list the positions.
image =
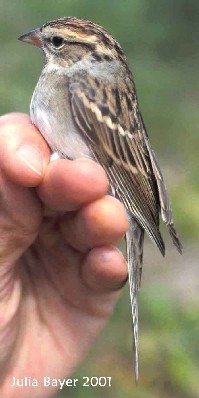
(85, 105)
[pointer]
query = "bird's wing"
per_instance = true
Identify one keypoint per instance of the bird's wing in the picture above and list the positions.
(112, 123)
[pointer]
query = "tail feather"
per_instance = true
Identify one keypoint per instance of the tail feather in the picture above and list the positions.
(165, 207)
(174, 237)
(134, 245)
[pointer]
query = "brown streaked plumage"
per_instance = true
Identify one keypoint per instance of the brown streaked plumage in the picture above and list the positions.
(92, 110)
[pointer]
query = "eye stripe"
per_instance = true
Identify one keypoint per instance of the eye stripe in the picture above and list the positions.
(70, 42)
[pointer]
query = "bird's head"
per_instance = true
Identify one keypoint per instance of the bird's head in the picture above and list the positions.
(71, 39)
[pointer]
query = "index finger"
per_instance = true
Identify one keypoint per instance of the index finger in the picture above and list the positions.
(68, 185)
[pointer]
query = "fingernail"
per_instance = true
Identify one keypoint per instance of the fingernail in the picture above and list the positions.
(32, 157)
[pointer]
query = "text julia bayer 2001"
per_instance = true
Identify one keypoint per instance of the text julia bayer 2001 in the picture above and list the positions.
(85, 381)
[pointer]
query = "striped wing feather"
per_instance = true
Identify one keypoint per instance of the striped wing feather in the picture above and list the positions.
(117, 136)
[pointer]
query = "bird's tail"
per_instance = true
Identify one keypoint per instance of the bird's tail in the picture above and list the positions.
(134, 248)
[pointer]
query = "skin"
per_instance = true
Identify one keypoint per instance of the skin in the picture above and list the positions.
(60, 274)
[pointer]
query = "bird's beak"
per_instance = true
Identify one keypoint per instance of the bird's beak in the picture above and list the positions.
(33, 37)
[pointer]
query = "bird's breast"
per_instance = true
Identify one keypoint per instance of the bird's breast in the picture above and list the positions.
(51, 113)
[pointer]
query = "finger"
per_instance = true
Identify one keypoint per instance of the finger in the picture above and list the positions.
(67, 185)
(104, 269)
(24, 154)
(98, 223)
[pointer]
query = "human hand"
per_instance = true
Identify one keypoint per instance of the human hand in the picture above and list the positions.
(60, 273)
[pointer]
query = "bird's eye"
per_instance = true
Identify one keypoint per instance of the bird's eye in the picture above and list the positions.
(57, 41)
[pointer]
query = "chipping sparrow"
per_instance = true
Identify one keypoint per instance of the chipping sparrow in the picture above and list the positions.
(85, 105)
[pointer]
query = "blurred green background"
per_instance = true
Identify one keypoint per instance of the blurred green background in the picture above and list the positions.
(161, 40)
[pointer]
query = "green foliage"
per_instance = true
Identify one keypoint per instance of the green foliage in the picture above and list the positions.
(160, 39)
